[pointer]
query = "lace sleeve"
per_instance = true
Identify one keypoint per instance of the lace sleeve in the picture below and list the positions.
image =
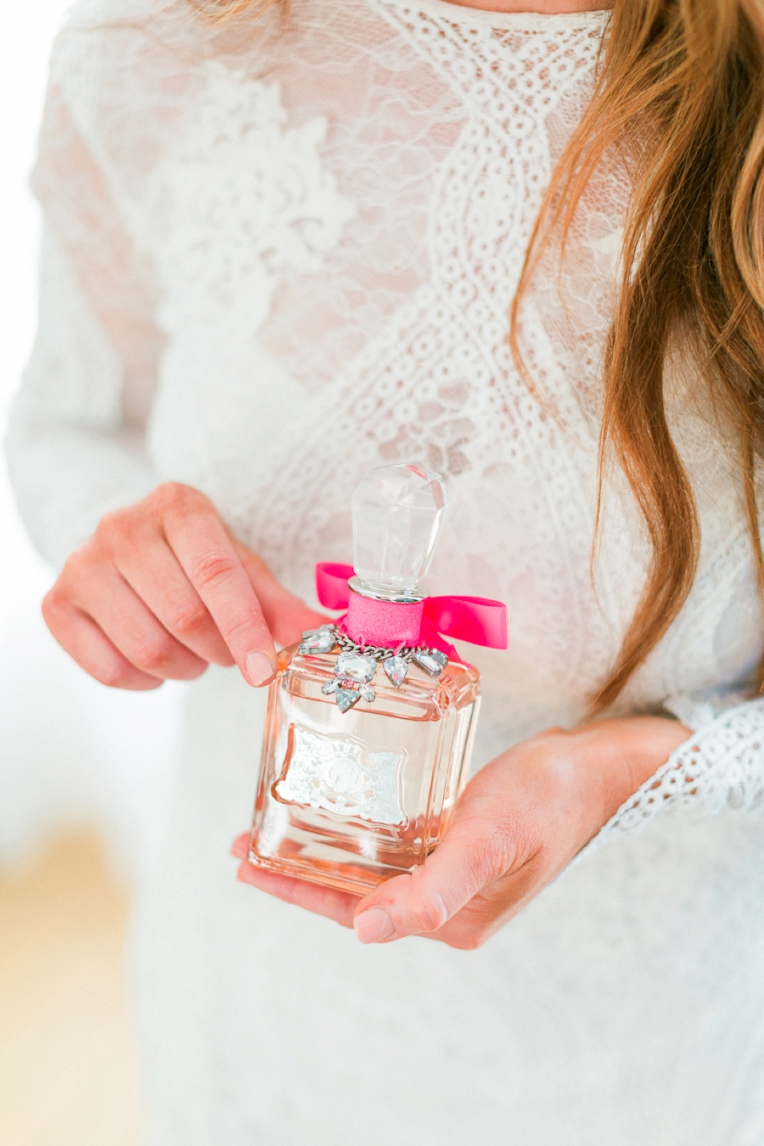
(720, 768)
(75, 440)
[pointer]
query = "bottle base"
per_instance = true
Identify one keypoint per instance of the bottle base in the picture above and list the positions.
(341, 877)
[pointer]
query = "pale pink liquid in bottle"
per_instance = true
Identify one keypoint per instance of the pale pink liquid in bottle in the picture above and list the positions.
(359, 777)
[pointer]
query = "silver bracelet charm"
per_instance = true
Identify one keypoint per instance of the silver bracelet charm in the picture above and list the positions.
(357, 664)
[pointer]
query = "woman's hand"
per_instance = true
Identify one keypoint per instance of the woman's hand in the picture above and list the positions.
(162, 589)
(519, 822)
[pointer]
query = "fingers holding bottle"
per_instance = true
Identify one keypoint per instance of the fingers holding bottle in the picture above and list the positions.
(161, 590)
(209, 559)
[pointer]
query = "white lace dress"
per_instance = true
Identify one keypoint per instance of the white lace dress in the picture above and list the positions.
(275, 260)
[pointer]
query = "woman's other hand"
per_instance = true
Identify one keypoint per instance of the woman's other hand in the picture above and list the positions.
(162, 589)
(519, 822)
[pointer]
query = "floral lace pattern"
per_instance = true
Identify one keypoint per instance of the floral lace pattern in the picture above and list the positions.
(274, 259)
(270, 207)
(292, 251)
(720, 768)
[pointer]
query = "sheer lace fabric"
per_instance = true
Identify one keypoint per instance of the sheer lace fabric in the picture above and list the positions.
(272, 261)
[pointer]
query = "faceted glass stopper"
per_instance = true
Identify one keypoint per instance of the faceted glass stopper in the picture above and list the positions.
(397, 514)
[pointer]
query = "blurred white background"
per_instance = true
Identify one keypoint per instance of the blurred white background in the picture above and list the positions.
(71, 752)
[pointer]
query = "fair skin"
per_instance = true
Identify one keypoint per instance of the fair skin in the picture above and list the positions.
(519, 822)
(163, 589)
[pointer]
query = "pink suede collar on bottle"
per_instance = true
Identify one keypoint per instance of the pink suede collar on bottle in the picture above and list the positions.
(389, 624)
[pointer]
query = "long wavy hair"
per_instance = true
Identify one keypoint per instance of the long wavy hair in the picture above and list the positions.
(680, 93)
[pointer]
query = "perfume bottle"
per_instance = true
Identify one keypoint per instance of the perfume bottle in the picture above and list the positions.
(371, 719)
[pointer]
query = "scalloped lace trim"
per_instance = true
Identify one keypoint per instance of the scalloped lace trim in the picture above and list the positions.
(719, 768)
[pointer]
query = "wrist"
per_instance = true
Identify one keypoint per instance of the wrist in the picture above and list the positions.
(630, 750)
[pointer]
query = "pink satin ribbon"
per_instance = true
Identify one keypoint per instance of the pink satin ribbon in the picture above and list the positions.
(474, 619)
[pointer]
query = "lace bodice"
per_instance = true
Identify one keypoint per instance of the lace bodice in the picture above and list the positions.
(277, 258)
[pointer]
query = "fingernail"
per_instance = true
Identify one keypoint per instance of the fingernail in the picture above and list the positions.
(259, 669)
(373, 925)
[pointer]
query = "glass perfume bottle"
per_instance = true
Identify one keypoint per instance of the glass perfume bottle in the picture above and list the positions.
(371, 720)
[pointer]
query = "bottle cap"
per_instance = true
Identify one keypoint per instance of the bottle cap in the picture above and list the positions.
(397, 514)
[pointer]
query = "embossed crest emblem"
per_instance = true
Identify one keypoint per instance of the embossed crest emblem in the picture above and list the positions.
(342, 776)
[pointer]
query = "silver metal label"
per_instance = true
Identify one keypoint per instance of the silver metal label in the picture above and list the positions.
(342, 776)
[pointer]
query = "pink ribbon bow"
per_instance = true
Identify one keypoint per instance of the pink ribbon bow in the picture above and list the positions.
(477, 620)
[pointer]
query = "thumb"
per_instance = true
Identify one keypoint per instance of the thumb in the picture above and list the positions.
(286, 615)
(417, 904)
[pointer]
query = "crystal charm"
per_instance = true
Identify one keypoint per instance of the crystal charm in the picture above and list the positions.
(346, 698)
(320, 640)
(396, 669)
(432, 661)
(355, 667)
(352, 673)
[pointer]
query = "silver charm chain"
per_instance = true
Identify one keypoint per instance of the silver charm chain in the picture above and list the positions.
(357, 664)
(379, 652)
